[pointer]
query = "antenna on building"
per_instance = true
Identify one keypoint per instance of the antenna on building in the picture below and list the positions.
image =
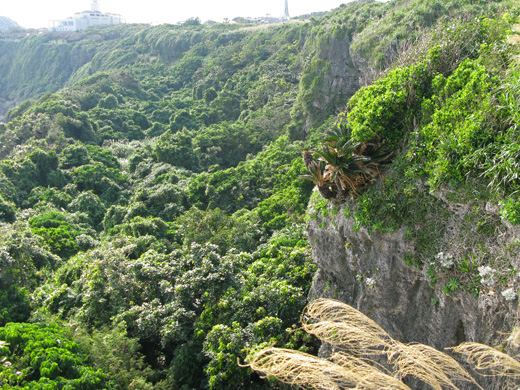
(94, 5)
(286, 14)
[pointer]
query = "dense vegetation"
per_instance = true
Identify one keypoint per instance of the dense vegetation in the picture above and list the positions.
(151, 212)
(446, 114)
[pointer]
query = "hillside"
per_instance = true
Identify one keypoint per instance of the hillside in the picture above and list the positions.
(6, 23)
(152, 207)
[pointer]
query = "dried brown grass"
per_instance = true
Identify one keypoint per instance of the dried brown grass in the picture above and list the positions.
(309, 372)
(351, 338)
(303, 370)
(488, 361)
(361, 339)
(335, 311)
(341, 325)
(368, 371)
(427, 364)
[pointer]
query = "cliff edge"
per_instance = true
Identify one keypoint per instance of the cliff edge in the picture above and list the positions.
(368, 270)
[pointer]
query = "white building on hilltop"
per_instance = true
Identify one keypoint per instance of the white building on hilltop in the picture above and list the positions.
(85, 19)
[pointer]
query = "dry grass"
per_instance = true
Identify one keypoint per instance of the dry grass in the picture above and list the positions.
(488, 361)
(369, 374)
(309, 372)
(341, 325)
(303, 370)
(349, 337)
(427, 364)
(335, 311)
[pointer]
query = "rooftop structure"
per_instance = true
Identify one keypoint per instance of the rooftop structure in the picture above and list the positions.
(94, 5)
(85, 19)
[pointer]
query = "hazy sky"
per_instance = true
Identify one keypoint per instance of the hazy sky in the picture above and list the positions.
(37, 13)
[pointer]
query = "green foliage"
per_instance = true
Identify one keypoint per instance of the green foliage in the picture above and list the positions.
(59, 230)
(45, 357)
(391, 31)
(288, 203)
(116, 355)
(139, 226)
(224, 344)
(510, 210)
(23, 256)
(377, 111)
(22, 175)
(90, 204)
(183, 119)
(176, 149)
(7, 211)
(452, 286)
(260, 310)
(74, 156)
(102, 181)
(214, 226)
(49, 196)
(109, 102)
(155, 201)
(244, 186)
(114, 283)
(19, 110)
(209, 95)
(14, 304)
(448, 110)
(447, 118)
(227, 144)
(464, 119)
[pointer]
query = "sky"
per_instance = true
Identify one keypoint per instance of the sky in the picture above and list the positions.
(38, 13)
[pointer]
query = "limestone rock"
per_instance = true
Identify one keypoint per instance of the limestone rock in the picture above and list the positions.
(367, 271)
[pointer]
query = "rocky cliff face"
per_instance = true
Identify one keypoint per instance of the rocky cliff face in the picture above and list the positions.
(341, 78)
(332, 73)
(368, 271)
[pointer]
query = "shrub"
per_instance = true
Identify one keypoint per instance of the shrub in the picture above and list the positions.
(7, 211)
(510, 210)
(45, 356)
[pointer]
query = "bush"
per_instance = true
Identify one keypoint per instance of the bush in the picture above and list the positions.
(45, 357)
(57, 232)
(510, 210)
(7, 211)
(14, 305)
(89, 203)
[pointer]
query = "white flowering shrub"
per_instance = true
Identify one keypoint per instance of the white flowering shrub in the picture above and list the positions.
(445, 259)
(509, 294)
(487, 275)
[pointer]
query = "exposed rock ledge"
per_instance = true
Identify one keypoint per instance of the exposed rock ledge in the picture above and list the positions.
(367, 271)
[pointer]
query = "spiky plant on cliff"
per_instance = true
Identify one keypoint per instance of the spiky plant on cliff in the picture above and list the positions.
(344, 166)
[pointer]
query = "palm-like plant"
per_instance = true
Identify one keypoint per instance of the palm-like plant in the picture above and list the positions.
(316, 174)
(343, 163)
(343, 167)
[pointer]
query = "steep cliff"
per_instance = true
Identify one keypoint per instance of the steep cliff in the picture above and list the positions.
(427, 245)
(368, 270)
(330, 78)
